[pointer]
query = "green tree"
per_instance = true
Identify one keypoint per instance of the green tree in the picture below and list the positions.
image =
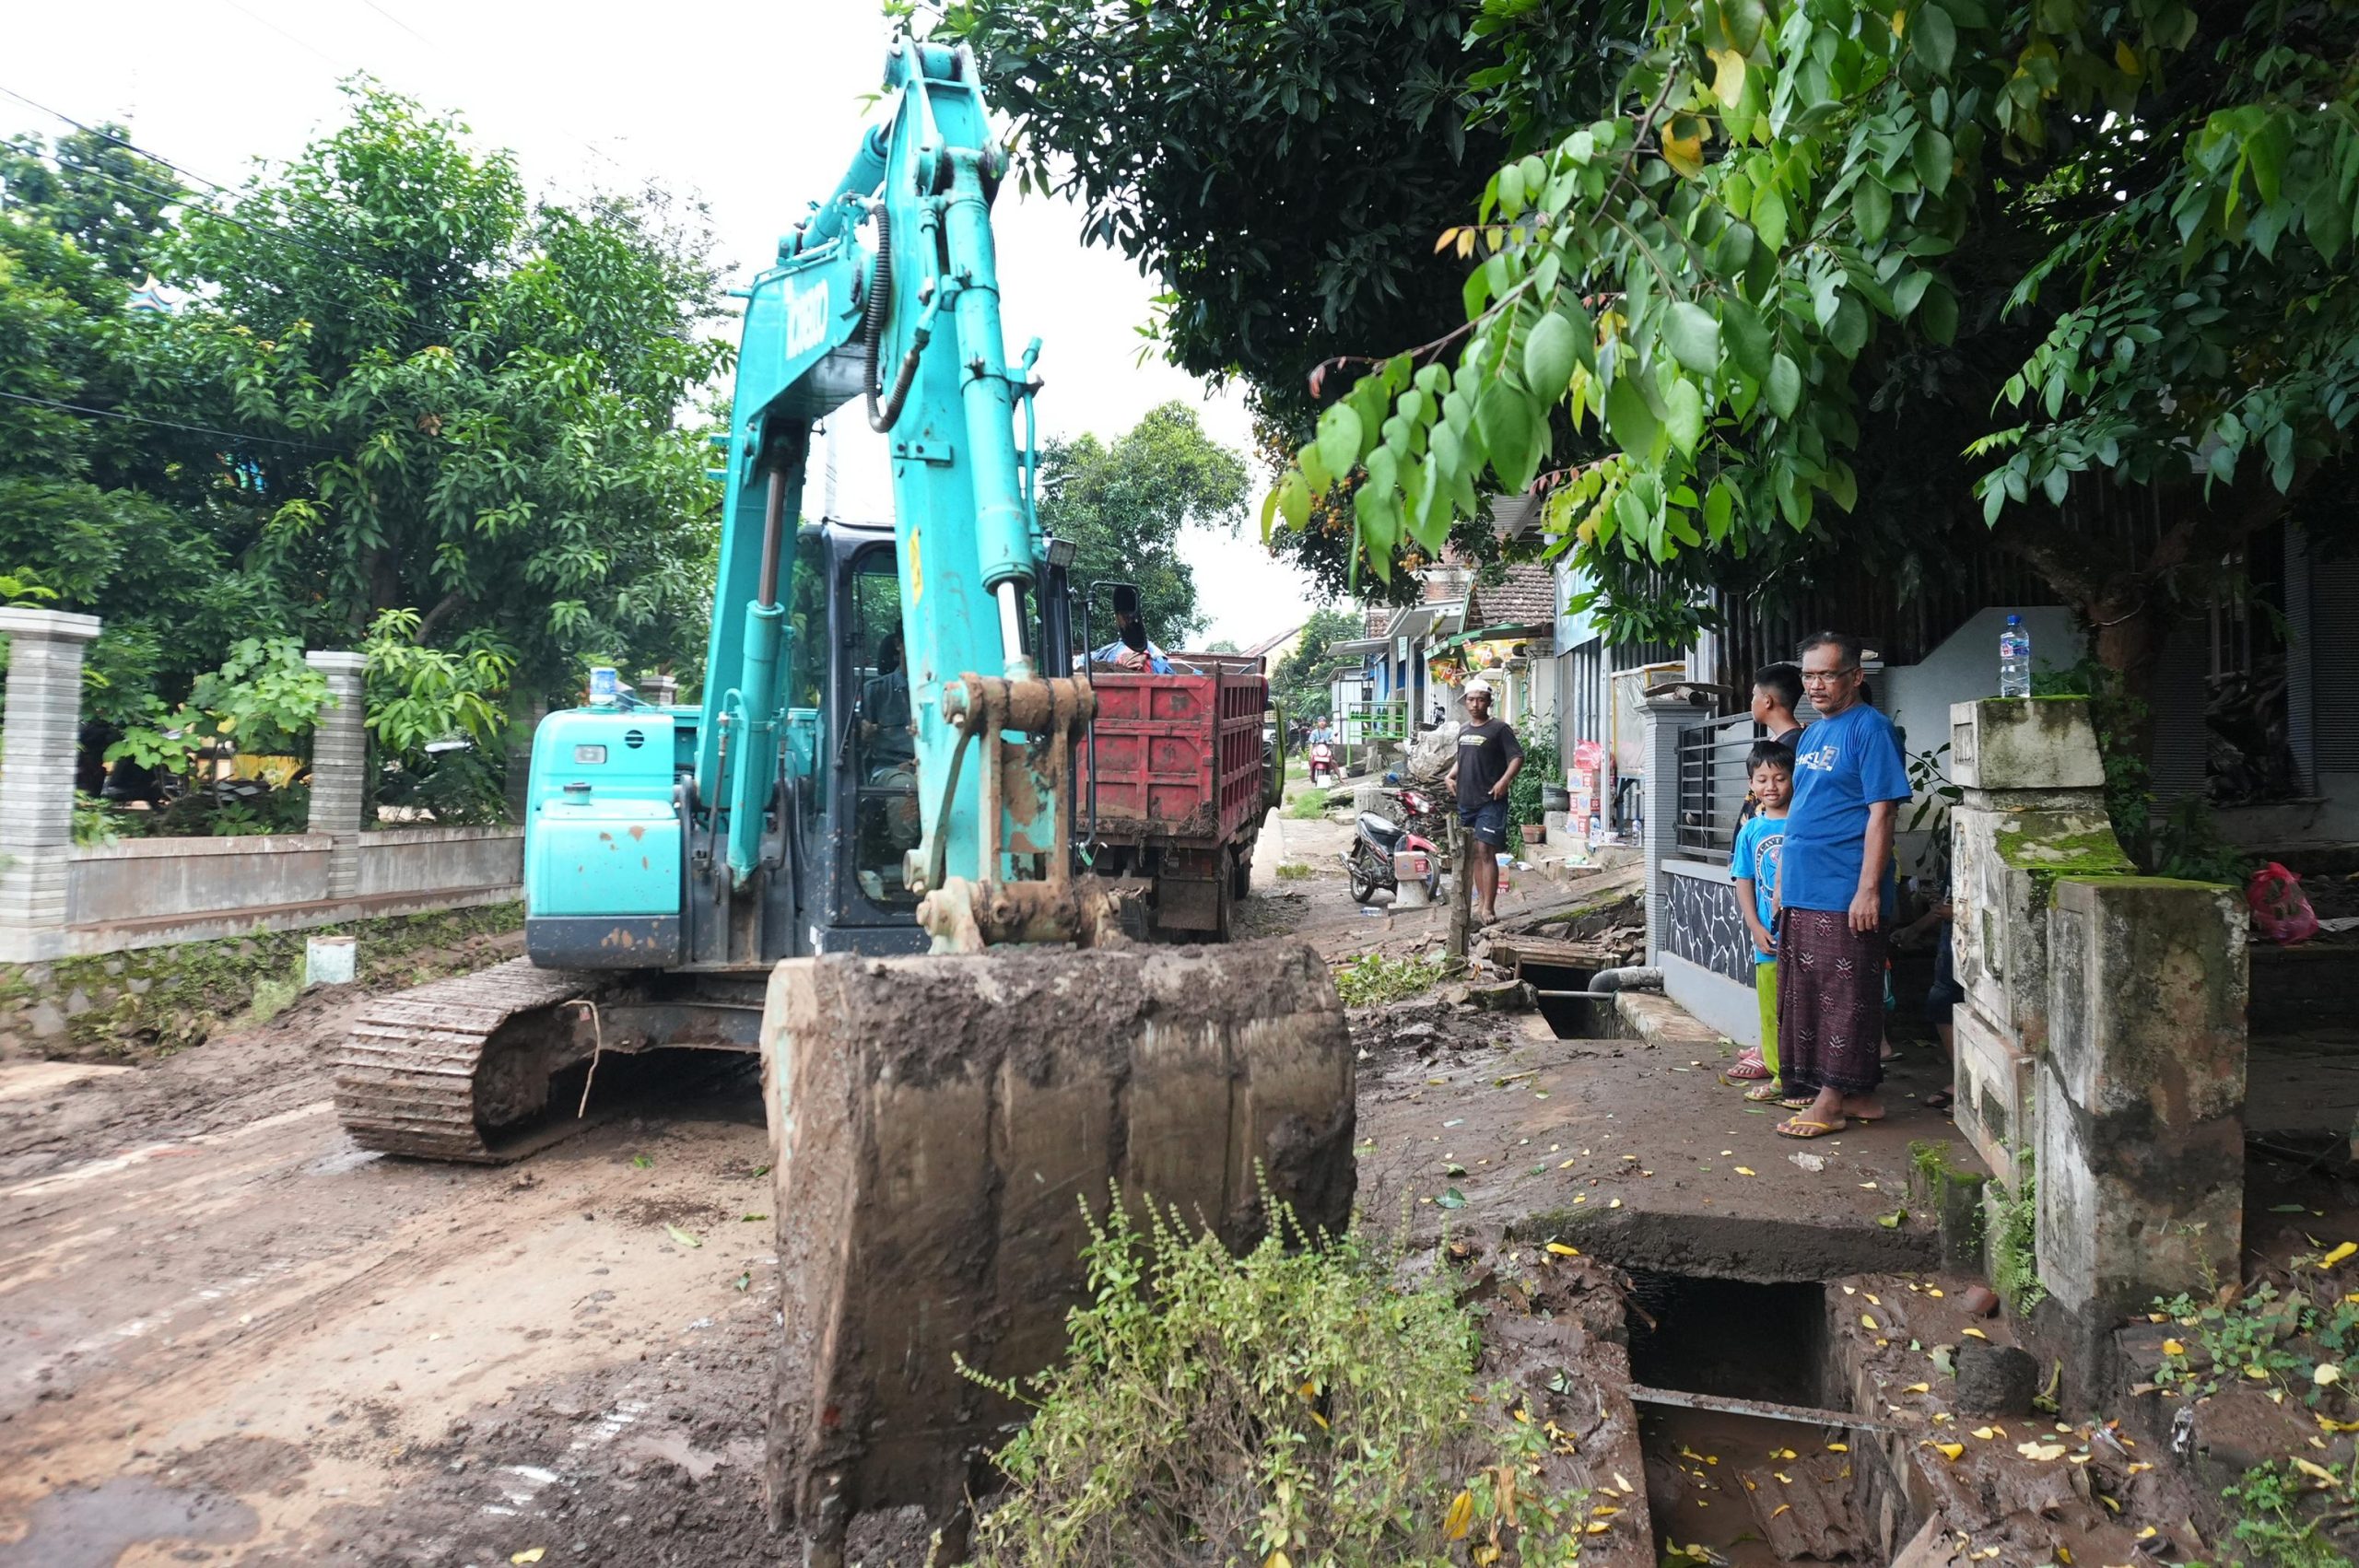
(1280, 164)
(1303, 682)
(1805, 225)
(479, 393)
(108, 497)
(1124, 504)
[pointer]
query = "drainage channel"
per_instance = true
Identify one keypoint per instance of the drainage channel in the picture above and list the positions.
(1727, 1485)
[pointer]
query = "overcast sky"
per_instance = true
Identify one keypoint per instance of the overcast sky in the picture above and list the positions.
(756, 110)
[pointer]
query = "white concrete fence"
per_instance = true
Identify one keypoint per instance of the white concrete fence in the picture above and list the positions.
(61, 901)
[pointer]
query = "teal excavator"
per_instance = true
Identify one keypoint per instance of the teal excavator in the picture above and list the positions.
(857, 857)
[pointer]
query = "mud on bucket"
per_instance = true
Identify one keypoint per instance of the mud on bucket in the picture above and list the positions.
(939, 1121)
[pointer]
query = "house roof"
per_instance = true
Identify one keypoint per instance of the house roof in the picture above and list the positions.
(1527, 596)
(1267, 643)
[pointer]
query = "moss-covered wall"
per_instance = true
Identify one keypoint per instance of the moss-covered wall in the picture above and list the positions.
(159, 1000)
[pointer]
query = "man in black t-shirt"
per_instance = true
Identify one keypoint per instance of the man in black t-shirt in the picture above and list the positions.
(1488, 759)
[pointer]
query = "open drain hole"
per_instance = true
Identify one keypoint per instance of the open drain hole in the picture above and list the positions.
(1752, 1491)
(1572, 1017)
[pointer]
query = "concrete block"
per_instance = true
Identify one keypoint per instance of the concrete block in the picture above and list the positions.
(1995, 1087)
(2141, 1096)
(2011, 850)
(2025, 743)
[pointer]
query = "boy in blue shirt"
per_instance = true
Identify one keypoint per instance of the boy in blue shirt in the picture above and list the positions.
(1753, 863)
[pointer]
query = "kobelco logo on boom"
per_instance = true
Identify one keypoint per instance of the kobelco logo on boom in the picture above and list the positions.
(807, 320)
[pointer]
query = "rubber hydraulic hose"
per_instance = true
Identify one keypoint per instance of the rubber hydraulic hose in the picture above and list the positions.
(872, 332)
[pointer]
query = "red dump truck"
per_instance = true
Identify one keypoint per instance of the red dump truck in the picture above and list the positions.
(1180, 778)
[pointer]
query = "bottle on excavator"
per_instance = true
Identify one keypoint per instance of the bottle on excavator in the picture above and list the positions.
(856, 856)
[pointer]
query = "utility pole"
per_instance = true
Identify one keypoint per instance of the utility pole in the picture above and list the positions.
(1461, 889)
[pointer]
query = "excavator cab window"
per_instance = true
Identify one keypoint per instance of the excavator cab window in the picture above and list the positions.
(882, 745)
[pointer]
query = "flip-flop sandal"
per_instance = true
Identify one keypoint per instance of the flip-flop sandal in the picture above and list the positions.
(1939, 1100)
(1799, 1102)
(1749, 1065)
(1803, 1128)
(1771, 1093)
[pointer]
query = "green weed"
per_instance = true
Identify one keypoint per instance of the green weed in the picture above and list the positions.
(1300, 1400)
(1295, 871)
(273, 996)
(1372, 978)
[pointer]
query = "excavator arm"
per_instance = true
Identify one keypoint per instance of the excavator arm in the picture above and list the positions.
(889, 292)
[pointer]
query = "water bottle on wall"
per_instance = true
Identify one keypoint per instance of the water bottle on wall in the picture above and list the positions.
(2015, 658)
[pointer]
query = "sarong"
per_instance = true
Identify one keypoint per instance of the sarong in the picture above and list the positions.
(1830, 1003)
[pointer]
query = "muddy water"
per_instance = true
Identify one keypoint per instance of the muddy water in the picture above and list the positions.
(1712, 1481)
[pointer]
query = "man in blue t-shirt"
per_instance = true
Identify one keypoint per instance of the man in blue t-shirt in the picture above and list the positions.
(1835, 885)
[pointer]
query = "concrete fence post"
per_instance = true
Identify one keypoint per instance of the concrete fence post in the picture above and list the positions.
(37, 754)
(1666, 717)
(339, 766)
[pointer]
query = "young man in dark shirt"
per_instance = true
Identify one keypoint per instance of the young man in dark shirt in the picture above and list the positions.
(1776, 692)
(1488, 759)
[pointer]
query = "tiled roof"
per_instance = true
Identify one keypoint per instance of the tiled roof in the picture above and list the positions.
(1267, 643)
(1526, 597)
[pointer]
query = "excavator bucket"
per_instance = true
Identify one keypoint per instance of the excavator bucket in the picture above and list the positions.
(938, 1123)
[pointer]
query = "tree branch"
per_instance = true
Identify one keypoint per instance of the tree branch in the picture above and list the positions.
(450, 600)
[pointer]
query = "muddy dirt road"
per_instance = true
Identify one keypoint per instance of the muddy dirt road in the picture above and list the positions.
(229, 1334)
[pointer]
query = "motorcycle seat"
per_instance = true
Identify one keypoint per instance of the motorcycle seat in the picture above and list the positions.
(1381, 831)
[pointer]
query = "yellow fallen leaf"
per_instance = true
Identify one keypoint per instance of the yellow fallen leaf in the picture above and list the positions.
(2065, 1555)
(1988, 1432)
(1599, 1526)
(530, 1554)
(1615, 1204)
(2149, 1533)
(1601, 1511)
(1278, 1560)
(1746, 1171)
(2316, 1471)
(1975, 1333)
(2256, 1372)
(2327, 1373)
(1308, 1390)
(1931, 1292)
(2140, 1468)
(1874, 1300)
(2044, 1452)
(1783, 1507)
(1783, 1478)
(1918, 1389)
(2339, 1253)
(2173, 1347)
(1850, 1290)
(1461, 1517)
(1561, 1250)
(1839, 1447)
(1950, 1451)
(1866, 1321)
(1621, 1484)
(1783, 1454)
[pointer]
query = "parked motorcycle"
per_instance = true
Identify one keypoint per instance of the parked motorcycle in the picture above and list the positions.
(1369, 861)
(1323, 763)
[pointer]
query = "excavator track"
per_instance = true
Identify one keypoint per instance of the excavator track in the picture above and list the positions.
(460, 1070)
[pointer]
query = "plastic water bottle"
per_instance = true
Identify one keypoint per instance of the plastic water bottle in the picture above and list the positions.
(2015, 658)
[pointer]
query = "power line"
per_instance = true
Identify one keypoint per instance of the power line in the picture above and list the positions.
(110, 136)
(399, 23)
(169, 424)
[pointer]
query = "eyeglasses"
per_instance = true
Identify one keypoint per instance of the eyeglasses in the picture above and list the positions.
(1821, 677)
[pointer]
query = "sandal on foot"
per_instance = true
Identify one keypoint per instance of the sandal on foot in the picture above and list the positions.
(1939, 1100)
(1771, 1093)
(1799, 1102)
(1803, 1127)
(1749, 1064)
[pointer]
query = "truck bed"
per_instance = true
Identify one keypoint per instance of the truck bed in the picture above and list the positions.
(1179, 757)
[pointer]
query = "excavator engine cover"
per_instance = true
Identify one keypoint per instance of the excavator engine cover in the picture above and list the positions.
(937, 1124)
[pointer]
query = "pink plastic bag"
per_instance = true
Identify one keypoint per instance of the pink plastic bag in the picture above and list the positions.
(2281, 911)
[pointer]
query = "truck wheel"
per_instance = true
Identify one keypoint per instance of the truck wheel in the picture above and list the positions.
(1240, 875)
(1225, 907)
